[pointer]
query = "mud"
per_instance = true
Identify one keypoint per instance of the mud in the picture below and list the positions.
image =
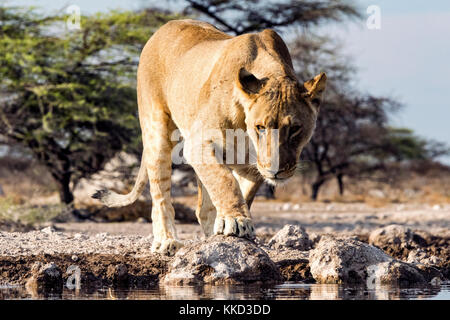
(96, 270)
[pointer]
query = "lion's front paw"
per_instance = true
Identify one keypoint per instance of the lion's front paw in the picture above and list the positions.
(166, 247)
(240, 227)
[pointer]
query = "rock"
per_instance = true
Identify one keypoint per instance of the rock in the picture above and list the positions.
(422, 257)
(221, 259)
(49, 230)
(141, 220)
(428, 264)
(101, 235)
(115, 176)
(181, 177)
(377, 193)
(395, 272)
(396, 240)
(118, 274)
(291, 237)
(45, 278)
(286, 207)
(436, 207)
(315, 238)
(183, 181)
(79, 236)
(348, 260)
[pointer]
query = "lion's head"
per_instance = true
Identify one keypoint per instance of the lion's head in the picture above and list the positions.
(280, 118)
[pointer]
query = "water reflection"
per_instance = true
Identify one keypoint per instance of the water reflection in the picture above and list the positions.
(284, 291)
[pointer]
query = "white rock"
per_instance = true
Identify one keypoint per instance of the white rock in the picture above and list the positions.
(221, 259)
(396, 237)
(101, 235)
(79, 236)
(290, 237)
(347, 260)
(420, 256)
(49, 230)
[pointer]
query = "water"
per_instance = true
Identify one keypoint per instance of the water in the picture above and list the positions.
(284, 291)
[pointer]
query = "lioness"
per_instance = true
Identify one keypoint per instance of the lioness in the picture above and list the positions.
(190, 72)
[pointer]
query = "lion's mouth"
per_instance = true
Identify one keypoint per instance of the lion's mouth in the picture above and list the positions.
(278, 178)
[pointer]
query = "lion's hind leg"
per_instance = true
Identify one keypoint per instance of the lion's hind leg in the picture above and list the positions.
(205, 212)
(157, 148)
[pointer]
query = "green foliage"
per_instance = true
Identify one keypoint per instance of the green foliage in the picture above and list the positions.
(68, 95)
(405, 145)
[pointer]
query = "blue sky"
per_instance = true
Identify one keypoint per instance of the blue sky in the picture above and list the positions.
(408, 58)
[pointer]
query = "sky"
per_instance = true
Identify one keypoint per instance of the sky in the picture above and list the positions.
(408, 58)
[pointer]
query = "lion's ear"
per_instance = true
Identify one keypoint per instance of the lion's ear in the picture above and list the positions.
(249, 83)
(315, 88)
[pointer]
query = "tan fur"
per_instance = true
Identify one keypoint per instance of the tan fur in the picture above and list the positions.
(190, 73)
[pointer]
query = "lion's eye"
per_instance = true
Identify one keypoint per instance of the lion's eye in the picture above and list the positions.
(295, 131)
(260, 129)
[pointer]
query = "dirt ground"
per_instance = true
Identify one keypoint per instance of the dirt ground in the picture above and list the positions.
(316, 218)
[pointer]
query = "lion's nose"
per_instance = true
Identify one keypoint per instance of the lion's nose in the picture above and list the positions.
(273, 173)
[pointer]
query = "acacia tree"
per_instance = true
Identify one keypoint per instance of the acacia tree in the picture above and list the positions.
(69, 96)
(238, 17)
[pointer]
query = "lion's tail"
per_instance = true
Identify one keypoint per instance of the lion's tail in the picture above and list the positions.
(112, 199)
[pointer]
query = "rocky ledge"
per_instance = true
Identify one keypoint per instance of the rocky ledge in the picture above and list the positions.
(48, 260)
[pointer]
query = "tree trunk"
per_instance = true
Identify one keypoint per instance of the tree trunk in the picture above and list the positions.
(315, 188)
(340, 180)
(65, 194)
(271, 192)
(266, 190)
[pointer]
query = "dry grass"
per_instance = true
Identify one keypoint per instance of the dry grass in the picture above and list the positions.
(29, 189)
(433, 189)
(28, 214)
(23, 180)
